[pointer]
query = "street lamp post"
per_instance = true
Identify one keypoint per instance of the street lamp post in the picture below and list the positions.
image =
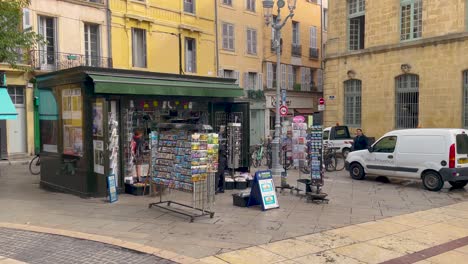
(277, 25)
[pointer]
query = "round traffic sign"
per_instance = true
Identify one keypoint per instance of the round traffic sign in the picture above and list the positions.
(283, 110)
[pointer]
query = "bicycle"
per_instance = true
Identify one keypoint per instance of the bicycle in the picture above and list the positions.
(35, 165)
(333, 160)
(259, 157)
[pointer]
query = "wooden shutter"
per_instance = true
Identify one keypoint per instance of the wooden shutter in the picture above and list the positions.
(320, 80)
(249, 41)
(225, 36)
(269, 67)
(236, 76)
(254, 42)
(26, 18)
(313, 37)
(246, 80)
(260, 81)
(303, 79)
(283, 76)
(231, 37)
(290, 77)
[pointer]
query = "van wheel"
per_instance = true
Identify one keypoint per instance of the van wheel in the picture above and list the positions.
(357, 171)
(432, 181)
(346, 152)
(458, 184)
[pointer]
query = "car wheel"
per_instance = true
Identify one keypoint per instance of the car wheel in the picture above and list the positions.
(458, 184)
(346, 152)
(432, 181)
(357, 171)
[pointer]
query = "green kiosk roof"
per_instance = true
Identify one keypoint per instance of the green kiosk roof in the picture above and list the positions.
(7, 109)
(119, 81)
(111, 84)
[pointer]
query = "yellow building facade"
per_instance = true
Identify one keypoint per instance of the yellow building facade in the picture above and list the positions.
(397, 64)
(301, 58)
(76, 32)
(170, 36)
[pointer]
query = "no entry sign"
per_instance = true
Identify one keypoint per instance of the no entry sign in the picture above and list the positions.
(283, 110)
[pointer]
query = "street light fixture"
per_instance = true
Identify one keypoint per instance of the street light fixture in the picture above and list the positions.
(277, 25)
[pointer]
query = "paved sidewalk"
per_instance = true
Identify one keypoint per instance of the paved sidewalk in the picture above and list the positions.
(434, 236)
(5, 260)
(232, 228)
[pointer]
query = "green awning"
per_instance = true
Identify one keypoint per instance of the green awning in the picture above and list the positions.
(164, 86)
(7, 108)
(47, 105)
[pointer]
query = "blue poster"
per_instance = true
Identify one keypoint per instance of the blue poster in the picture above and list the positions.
(112, 188)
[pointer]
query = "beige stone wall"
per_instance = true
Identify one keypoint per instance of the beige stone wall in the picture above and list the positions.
(439, 68)
(440, 17)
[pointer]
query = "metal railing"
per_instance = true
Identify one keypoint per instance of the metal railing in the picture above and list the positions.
(54, 61)
(296, 50)
(313, 53)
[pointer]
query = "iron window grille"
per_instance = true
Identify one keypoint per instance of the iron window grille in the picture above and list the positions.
(407, 101)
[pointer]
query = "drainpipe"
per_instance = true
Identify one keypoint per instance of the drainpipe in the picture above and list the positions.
(216, 36)
(321, 61)
(37, 132)
(181, 71)
(109, 35)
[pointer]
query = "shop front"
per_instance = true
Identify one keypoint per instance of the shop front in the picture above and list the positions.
(98, 122)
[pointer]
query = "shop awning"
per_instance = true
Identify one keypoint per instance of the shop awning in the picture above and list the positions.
(111, 84)
(7, 109)
(304, 111)
(47, 105)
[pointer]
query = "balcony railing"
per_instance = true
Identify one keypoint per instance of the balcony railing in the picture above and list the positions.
(54, 61)
(313, 53)
(296, 50)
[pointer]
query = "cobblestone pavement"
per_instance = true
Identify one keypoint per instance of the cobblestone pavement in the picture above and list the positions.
(31, 247)
(232, 228)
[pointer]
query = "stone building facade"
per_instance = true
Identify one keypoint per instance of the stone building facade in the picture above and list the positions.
(394, 64)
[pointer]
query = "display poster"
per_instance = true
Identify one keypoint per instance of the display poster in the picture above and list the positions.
(97, 119)
(263, 191)
(112, 189)
(72, 122)
(98, 147)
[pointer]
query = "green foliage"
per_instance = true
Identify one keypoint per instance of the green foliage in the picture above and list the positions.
(13, 39)
(297, 87)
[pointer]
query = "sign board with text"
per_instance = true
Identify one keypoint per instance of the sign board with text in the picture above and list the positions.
(263, 191)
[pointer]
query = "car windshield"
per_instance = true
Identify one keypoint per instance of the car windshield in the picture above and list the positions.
(342, 133)
(462, 144)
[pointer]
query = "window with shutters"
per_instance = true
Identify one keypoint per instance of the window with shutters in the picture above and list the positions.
(189, 6)
(407, 101)
(275, 80)
(410, 19)
(139, 47)
(465, 99)
(250, 5)
(252, 81)
(228, 36)
(352, 107)
(47, 54)
(252, 41)
(356, 24)
(190, 55)
(313, 49)
(92, 45)
(295, 36)
(320, 80)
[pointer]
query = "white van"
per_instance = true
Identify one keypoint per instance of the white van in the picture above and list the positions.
(433, 155)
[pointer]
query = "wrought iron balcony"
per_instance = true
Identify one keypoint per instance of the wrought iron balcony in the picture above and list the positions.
(296, 50)
(313, 53)
(54, 61)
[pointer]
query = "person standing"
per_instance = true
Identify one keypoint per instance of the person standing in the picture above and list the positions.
(360, 141)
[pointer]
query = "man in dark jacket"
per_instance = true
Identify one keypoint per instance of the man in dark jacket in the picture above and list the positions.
(360, 141)
(222, 165)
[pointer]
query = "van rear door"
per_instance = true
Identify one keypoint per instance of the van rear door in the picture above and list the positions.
(461, 155)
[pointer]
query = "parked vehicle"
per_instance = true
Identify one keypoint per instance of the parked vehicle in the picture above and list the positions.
(433, 155)
(339, 138)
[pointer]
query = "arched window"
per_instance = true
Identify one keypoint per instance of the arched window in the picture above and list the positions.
(352, 103)
(465, 99)
(407, 101)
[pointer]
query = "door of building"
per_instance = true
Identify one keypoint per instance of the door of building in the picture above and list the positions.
(16, 129)
(257, 126)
